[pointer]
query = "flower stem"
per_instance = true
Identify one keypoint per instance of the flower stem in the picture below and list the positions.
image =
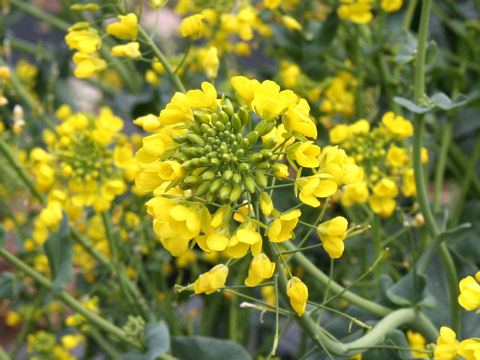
(70, 301)
(162, 58)
(441, 163)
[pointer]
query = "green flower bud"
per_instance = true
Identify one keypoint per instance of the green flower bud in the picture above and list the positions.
(216, 185)
(202, 118)
(225, 190)
(236, 178)
(244, 114)
(192, 180)
(236, 193)
(243, 167)
(208, 175)
(219, 125)
(195, 139)
(212, 132)
(252, 137)
(239, 153)
(227, 174)
(270, 144)
(203, 188)
(228, 107)
(77, 7)
(249, 184)
(261, 180)
(264, 165)
(264, 127)
(196, 128)
(266, 153)
(223, 117)
(236, 122)
(256, 157)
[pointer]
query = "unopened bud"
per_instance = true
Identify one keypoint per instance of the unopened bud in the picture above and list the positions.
(249, 184)
(261, 180)
(235, 193)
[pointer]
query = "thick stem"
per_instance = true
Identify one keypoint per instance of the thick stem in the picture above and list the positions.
(335, 288)
(97, 320)
(161, 57)
(441, 164)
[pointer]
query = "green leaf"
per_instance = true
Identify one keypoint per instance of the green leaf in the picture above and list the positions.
(157, 338)
(8, 286)
(444, 102)
(408, 49)
(206, 348)
(3, 236)
(410, 290)
(59, 251)
(432, 52)
(411, 106)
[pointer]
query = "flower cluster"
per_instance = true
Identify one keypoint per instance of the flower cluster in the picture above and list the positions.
(79, 168)
(381, 153)
(43, 346)
(206, 153)
(360, 11)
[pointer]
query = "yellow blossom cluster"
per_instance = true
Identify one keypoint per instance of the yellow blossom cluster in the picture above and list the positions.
(79, 168)
(42, 345)
(339, 97)
(381, 153)
(361, 11)
(200, 155)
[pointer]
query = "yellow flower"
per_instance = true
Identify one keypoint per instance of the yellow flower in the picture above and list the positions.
(205, 98)
(266, 204)
(148, 122)
(245, 88)
(391, 5)
(416, 341)
(397, 125)
(215, 241)
(192, 27)
(269, 102)
(305, 154)
(385, 188)
(13, 318)
(359, 12)
(212, 280)
(211, 62)
(297, 291)
(126, 29)
(332, 233)
(291, 23)
(446, 345)
(361, 126)
(177, 111)
(71, 341)
(186, 259)
(396, 156)
(297, 120)
(289, 73)
(248, 235)
(469, 349)
(355, 193)
(339, 134)
(280, 171)
(272, 4)
(281, 228)
(85, 40)
(4, 73)
(315, 186)
(87, 65)
(131, 50)
(261, 268)
(469, 297)
(409, 188)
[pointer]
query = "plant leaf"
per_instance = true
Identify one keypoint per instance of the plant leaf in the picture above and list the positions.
(59, 251)
(157, 337)
(206, 348)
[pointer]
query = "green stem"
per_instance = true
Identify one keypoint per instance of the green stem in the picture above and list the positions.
(6, 152)
(27, 326)
(103, 343)
(359, 94)
(322, 280)
(70, 301)
(377, 242)
(162, 58)
(32, 103)
(465, 185)
(36, 50)
(452, 283)
(441, 164)
(409, 13)
(37, 13)
(459, 160)
(3, 354)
